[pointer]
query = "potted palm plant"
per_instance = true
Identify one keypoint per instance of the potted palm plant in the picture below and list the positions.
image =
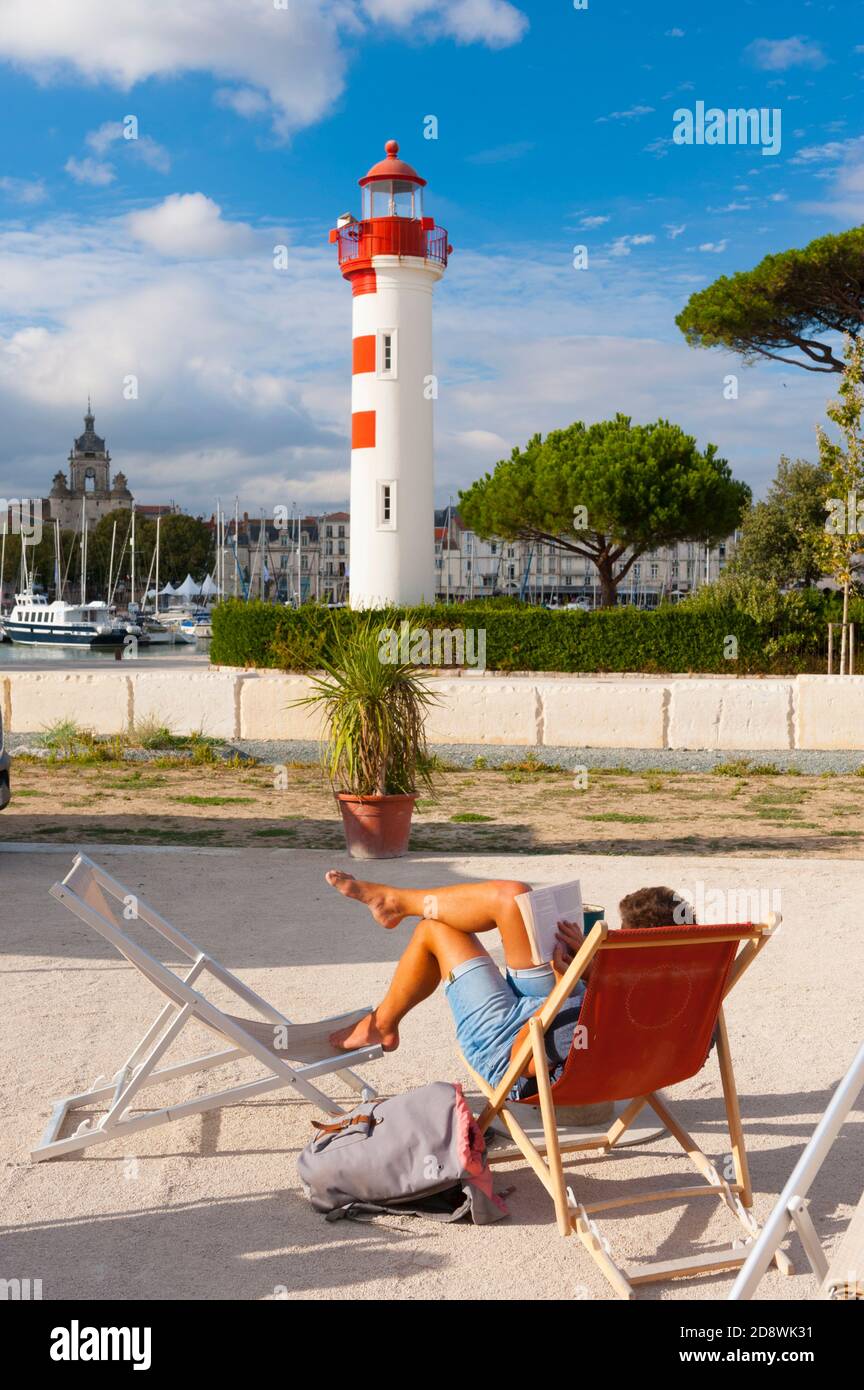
(375, 752)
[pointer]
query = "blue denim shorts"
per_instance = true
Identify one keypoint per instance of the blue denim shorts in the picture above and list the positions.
(489, 1009)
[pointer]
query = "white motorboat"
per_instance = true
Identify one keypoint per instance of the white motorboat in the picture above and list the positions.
(36, 622)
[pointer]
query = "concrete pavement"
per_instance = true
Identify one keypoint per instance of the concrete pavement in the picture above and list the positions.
(210, 1207)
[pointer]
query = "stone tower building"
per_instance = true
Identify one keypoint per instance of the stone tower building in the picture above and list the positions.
(89, 477)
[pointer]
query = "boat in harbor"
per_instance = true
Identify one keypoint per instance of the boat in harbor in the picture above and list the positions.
(34, 622)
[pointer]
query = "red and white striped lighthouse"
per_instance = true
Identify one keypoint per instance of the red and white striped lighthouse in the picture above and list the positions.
(393, 257)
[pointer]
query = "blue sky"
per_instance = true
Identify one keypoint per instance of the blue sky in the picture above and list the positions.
(153, 257)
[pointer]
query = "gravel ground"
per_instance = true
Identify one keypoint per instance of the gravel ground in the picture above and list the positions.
(497, 755)
(638, 759)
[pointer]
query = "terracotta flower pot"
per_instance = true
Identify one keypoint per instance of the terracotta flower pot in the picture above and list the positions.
(376, 827)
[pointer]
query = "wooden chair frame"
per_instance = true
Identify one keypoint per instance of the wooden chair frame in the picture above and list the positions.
(87, 890)
(573, 1216)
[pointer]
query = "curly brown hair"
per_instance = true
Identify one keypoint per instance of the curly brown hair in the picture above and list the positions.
(654, 907)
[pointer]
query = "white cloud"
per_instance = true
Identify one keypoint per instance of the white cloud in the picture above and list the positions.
(591, 222)
(633, 114)
(296, 54)
(244, 387)
(674, 33)
(104, 136)
(142, 147)
(497, 23)
(189, 225)
(844, 197)
(777, 197)
(26, 191)
(244, 101)
(485, 442)
(94, 171)
(825, 154)
(674, 231)
(502, 154)
(715, 246)
(732, 207)
(839, 164)
(622, 244)
(660, 147)
(776, 55)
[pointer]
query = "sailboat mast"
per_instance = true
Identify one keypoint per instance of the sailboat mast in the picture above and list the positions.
(83, 551)
(158, 525)
(299, 548)
(111, 562)
(236, 542)
(132, 554)
(57, 594)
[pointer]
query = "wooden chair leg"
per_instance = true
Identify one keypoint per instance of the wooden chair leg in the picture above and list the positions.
(550, 1129)
(733, 1113)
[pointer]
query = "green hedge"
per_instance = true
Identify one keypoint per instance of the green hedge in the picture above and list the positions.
(679, 638)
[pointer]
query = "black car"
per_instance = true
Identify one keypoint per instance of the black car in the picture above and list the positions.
(5, 792)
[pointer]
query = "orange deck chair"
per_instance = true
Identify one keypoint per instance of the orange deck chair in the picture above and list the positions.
(653, 1000)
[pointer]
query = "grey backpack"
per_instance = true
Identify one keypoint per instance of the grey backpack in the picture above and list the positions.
(421, 1153)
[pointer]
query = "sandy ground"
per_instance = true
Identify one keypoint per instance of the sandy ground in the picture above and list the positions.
(520, 810)
(209, 1207)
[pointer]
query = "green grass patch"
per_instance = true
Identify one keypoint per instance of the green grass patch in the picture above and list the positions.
(623, 819)
(742, 767)
(469, 818)
(779, 798)
(276, 832)
(132, 781)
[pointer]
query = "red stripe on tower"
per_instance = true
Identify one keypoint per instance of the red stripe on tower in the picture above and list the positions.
(364, 282)
(364, 354)
(363, 429)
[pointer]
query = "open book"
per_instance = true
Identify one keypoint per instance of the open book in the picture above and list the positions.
(543, 908)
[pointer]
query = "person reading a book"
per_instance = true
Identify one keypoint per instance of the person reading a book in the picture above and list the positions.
(490, 1010)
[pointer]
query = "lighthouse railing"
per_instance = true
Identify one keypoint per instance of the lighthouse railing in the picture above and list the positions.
(391, 236)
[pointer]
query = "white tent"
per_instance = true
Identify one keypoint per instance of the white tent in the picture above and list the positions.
(168, 591)
(209, 588)
(188, 588)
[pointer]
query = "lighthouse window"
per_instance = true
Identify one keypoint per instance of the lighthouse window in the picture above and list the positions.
(387, 353)
(387, 506)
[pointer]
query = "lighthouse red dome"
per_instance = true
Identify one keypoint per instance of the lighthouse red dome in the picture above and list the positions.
(392, 168)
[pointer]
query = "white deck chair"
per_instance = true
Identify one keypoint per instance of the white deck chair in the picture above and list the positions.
(792, 1209)
(104, 903)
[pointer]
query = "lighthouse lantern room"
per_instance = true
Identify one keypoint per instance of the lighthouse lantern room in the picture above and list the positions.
(392, 257)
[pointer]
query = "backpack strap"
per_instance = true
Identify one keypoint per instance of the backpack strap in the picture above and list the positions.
(367, 1119)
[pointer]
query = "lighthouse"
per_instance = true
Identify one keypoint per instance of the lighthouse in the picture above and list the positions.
(393, 257)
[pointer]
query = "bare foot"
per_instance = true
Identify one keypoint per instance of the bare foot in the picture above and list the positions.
(366, 1033)
(379, 899)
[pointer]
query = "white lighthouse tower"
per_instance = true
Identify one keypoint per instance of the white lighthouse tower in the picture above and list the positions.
(393, 258)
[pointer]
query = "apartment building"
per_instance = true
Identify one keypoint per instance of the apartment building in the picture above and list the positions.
(469, 567)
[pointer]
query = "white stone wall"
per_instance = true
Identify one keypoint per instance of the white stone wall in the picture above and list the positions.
(675, 712)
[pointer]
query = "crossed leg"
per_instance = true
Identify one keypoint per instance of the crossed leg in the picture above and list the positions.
(451, 919)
